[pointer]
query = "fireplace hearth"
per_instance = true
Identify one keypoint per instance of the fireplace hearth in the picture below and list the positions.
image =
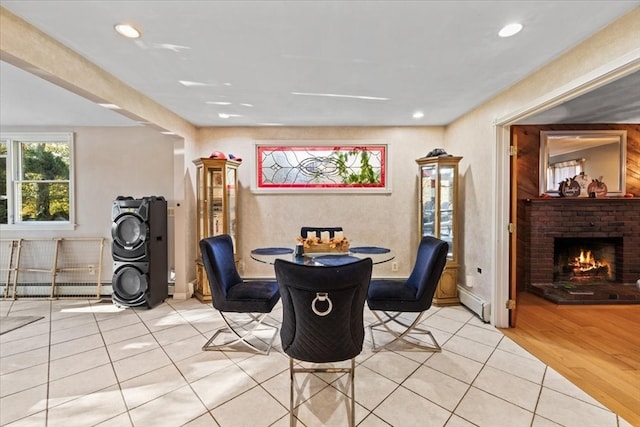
(572, 244)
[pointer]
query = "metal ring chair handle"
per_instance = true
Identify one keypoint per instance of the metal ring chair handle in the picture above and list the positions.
(321, 296)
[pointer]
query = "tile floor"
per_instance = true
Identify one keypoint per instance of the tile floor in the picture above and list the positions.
(89, 363)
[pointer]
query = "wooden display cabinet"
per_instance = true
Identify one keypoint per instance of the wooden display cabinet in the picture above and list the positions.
(216, 210)
(439, 217)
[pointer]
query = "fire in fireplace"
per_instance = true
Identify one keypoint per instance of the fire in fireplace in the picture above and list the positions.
(584, 260)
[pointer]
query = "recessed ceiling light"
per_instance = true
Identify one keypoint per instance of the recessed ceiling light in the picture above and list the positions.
(510, 30)
(418, 115)
(110, 106)
(218, 103)
(127, 31)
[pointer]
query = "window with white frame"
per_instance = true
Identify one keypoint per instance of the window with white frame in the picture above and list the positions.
(37, 180)
(560, 171)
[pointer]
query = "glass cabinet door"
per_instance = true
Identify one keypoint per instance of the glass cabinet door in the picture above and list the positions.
(231, 203)
(429, 197)
(446, 219)
(215, 199)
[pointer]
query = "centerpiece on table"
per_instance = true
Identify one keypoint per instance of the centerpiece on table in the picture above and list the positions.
(324, 242)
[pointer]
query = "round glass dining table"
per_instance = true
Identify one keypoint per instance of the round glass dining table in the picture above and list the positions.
(268, 255)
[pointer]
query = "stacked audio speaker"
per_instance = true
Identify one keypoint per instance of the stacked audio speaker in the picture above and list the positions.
(139, 250)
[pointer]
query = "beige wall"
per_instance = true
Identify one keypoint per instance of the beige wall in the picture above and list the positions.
(111, 162)
(389, 220)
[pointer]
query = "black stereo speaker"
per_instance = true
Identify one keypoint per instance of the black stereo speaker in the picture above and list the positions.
(139, 251)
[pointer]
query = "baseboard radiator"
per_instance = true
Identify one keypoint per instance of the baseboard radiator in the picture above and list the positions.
(475, 304)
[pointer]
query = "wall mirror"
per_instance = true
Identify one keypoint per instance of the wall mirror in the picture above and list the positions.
(599, 154)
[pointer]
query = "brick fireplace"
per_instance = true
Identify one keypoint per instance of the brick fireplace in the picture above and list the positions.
(608, 227)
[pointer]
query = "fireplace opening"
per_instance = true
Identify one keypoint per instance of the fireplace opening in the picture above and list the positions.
(585, 260)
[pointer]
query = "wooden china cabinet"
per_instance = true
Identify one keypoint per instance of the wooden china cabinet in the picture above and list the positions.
(216, 210)
(439, 217)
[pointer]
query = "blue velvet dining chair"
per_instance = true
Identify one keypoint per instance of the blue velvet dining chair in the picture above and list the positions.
(390, 299)
(322, 309)
(231, 294)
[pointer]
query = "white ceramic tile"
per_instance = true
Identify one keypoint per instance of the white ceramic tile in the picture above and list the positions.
(80, 384)
(125, 333)
(454, 365)
(506, 344)
(371, 387)
(167, 321)
(484, 409)
(111, 321)
(89, 409)
(468, 348)
(480, 335)
(23, 404)
(75, 332)
(555, 381)
(391, 365)
(523, 367)
(329, 407)
(373, 420)
(15, 342)
(183, 349)
(566, 410)
(539, 421)
(143, 388)
(261, 367)
(443, 323)
(204, 420)
(121, 420)
(164, 409)
(459, 313)
(155, 377)
(175, 333)
(23, 360)
(131, 347)
(456, 421)
(222, 386)
(623, 423)
(35, 420)
(70, 365)
(264, 411)
(23, 379)
(405, 408)
(437, 387)
(72, 321)
(140, 364)
(76, 346)
(513, 389)
(203, 364)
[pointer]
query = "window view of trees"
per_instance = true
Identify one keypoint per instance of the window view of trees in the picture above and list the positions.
(35, 178)
(44, 186)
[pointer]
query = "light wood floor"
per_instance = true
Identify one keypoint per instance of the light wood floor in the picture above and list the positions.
(597, 347)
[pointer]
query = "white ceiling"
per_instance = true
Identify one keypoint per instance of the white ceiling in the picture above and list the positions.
(439, 57)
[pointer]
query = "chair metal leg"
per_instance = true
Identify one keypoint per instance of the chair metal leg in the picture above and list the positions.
(256, 320)
(410, 329)
(352, 373)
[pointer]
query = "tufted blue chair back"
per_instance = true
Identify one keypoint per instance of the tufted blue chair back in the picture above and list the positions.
(322, 309)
